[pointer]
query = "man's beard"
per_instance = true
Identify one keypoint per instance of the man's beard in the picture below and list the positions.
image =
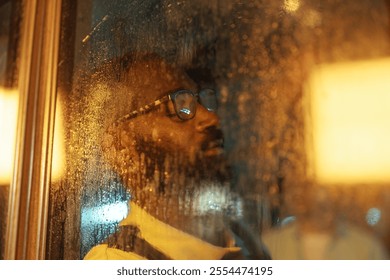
(193, 196)
(170, 177)
(175, 163)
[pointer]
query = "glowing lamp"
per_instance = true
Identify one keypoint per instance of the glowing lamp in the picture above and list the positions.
(8, 122)
(348, 122)
(8, 117)
(58, 161)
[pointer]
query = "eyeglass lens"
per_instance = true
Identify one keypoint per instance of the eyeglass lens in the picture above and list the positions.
(185, 105)
(208, 99)
(185, 102)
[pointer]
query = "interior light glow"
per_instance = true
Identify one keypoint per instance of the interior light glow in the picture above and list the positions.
(215, 198)
(8, 121)
(348, 122)
(58, 161)
(291, 5)
(105, 214)
(373, 216)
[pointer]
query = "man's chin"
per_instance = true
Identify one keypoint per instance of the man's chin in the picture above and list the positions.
(212, 165)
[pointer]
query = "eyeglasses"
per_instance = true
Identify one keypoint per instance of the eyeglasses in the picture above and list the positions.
(184, 101)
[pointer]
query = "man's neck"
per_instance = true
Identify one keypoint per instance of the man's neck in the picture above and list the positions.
(209, 227)
(200, 213)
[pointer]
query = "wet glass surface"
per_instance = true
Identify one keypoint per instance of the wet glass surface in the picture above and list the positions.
(119, 56)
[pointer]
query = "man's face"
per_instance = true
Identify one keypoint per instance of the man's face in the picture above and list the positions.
(174, 169)
(195, 139)
(194, 146)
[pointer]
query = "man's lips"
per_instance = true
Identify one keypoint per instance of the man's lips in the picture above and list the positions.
(212, 147)
(212, 144)
(213, 141)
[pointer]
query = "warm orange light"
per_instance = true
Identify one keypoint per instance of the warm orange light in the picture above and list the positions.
(291, 5)
(58, 163)
(348, 122)
(8, 117)
(8, 122)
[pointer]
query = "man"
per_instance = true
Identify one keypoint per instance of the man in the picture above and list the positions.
(168, 151)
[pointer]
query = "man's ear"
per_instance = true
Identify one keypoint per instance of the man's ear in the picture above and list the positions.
(109, 145)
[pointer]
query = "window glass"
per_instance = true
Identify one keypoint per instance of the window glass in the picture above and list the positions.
(244, 175)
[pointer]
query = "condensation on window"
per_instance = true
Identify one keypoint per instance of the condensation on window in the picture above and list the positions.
(258, 56)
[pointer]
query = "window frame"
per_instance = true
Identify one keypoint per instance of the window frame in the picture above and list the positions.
(37, 82)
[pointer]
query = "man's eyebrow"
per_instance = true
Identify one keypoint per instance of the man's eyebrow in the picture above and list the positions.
(168, 92)
(163, 95)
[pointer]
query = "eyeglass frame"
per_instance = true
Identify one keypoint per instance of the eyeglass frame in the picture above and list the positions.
(169, 97)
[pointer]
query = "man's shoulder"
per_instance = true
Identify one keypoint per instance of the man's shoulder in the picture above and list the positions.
(103, 252)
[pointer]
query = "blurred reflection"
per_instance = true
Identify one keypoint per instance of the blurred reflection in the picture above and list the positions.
(349, 122)
(348, 98)
(320, 231)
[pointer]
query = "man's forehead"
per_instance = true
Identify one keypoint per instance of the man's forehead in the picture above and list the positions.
(154, 78)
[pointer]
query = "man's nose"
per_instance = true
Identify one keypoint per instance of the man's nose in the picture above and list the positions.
(205, 119)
